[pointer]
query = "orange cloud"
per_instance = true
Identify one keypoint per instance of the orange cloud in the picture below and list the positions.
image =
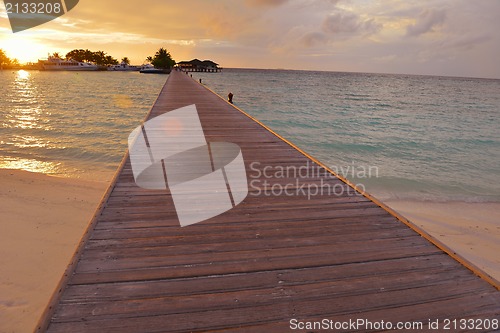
(324, 34)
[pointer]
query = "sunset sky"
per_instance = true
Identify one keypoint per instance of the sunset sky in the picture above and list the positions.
(440, 37)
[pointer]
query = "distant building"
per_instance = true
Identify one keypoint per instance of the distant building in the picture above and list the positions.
(197, 65)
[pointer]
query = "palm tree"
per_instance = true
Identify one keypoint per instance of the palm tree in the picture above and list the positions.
(56, 55)
(109, 60)
(4, 60)
(126, 60)
(88, 55)
(77, 55)
(99, 58)
(162, 59)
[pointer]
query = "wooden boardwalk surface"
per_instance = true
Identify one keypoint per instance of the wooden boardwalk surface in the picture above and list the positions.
(271, 259)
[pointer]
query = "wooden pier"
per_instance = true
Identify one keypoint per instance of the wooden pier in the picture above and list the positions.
(269, 260)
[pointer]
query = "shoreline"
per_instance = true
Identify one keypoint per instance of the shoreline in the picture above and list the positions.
(470, 229)
(43, 218)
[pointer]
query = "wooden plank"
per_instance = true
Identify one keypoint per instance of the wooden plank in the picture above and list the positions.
(169, 304)
(270, 259)
(334, 306)
(255, 280)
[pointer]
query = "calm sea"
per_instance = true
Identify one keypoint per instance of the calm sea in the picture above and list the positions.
(399, 136)
(72, 124)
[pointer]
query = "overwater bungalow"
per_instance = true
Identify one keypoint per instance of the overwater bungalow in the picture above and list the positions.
(197, 65)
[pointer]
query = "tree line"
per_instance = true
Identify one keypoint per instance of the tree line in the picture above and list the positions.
(162, 58)
(99, 58)
(6, 61)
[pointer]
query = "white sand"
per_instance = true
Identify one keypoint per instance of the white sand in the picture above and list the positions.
(42, 219)
(470, 229)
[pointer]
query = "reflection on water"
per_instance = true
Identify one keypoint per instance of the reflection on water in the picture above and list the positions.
(29, 141)
(26, 111)
(70, 123)
(23, 75)
(32, 165)
(123, 101)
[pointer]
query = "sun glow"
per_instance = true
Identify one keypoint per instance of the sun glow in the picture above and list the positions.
(24, 49)
(23, 75)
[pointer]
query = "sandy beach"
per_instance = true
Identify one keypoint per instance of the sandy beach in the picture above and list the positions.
(470, 229)
(44, 217)
(42, 220)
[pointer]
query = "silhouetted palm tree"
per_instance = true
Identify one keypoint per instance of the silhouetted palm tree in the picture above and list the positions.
(4, 60)
(162, 59)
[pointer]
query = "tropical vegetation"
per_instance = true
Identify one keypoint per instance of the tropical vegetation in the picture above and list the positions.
(6, 61)
(162, 59)
(99, 58)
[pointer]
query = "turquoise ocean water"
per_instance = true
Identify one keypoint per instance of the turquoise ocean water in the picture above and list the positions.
(400, 136)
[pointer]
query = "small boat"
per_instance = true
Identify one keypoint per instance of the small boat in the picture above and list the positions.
(58, 64)
(150, 69)
(124, 67)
